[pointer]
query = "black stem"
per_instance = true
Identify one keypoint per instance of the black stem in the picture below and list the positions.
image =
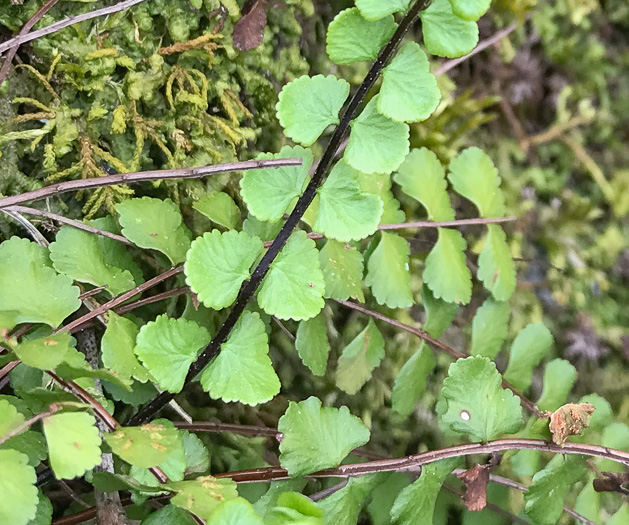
(249, 287)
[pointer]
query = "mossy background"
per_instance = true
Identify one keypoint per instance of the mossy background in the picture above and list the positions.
(160, 86)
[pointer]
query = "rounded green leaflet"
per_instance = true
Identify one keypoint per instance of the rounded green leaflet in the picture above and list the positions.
(155, 224)
(220, 208)
(86, 258)
(317, 437)
(496, 268)
(342, 267)
(235, 512)
(144, 446)
(73, 443)
(446, 272)
(294, 286)
(218, 263)
(346, 212)
(167, 347)
(376, 144)
(308, 105)
(242, 371)
(470, 9)
(352, 38)
(409, 91)
(476, 403)
(473, 174)
(31, 288)
(45, 352)
(17, 486)
(422, 177)
(269, 192)
(10, 418)
(445, 34)
(377, 9)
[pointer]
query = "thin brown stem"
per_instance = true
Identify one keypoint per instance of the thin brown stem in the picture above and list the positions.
(217, 428)
(415, 462)
(53, 28)
(37, 16)
(153, 299)
(527, 403)
(445, 224)
(29, 423)
(70, 222)
(105, 307)
(143, 176)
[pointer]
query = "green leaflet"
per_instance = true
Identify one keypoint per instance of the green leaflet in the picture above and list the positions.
(167, 347)
(476, 403)
(235, 512)
(30, 288)
(117, 347)
(312, 344)
(439, 313)
(377, 144)
(445, 34)
(316, 438)
(218, 263)
(409, 91)
(473, 175)
(204, 495)
(73, 443)
(220, 208)
(415, 505)
(294, 509)
(352, 38)
(615, 435)
(544, 499)
(410, 383)
(530, 346)
(342, 267)
(90, 258)
(44, 353)
(446, 272)
(376, 9)
(496, 268)
(294, 286)
(10, 418)
(346, 212)
(588, 502)
(270, 192)
(359, 358)
(242, 371)
(470, 9)
(620, 517)
(380, 184)
(308, 105)
(155, 224)
(489, 328)
(144, 446)
(559, 378)
(422, 177)
(169, 515)
(17, 486)
(388, 274)
(344, 506)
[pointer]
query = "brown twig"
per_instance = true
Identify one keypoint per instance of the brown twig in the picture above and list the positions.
(217, 428)
(70, 222)
(414, 462)
(143, 176)
(30, 422)
(61, 24)
(153, 299)
(527, 403)
(105, 307)
(37, 16)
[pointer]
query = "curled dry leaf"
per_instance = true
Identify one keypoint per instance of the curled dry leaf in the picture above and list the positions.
(569, 420)
(613, 482)
(475, 480)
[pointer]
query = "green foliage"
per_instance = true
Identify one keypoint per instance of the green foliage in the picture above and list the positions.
(359, 358)
(19, 488)
(45, 353)
(530, 346)
(73, 443)
(167, 347)
(317, 437)
(308, 105)
(204, 495)
(475, 403)
(220, 208)
(387, 272)
(490, 328)
(342, 267)
(445, 34)
(242, 371)
(312, 344)
(144, 446)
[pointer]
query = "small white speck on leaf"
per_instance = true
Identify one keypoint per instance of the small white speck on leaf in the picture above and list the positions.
(465, 415)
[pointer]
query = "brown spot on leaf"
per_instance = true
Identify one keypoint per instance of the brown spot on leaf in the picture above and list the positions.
(127, 444)
(475, 480)
(158, 446)
(50, 342)
(569, 420)
(153, 234)
(77, 445)
(310, 285)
